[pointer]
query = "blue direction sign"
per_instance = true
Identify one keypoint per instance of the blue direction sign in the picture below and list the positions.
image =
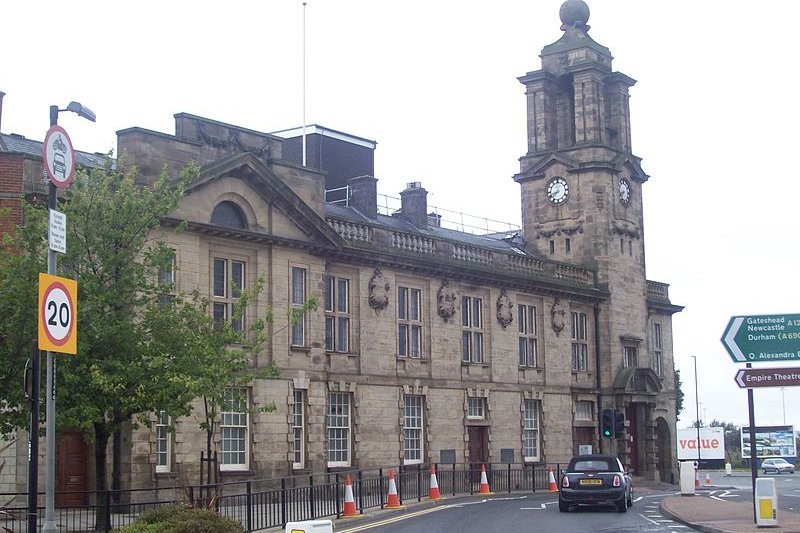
(753, 339)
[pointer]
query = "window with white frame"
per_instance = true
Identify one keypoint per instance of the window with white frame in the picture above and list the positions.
(630, 356)
(337, 314)
(476, 408)
(409, 322)
(413, 429)
(233, 423)
(580, 342)
(166, 281)
(471, 329)
(658, 364)
(339, 429)
(298, 429)
(530, 430)
(526, 324)
(584, 410)
(163, 443)
(298, 300)
(227, 279)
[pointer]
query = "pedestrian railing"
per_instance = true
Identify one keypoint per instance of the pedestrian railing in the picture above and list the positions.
(263, 504)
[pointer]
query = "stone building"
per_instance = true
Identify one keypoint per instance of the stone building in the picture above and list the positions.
(431, 344)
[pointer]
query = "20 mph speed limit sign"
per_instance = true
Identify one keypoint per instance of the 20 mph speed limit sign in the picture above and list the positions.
(58, 314)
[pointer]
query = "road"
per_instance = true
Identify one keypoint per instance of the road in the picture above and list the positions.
(738, 487)
(512, 513)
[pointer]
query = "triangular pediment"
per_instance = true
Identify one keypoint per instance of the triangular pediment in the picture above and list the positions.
(637, 380)
(631, 166)
(271, 208)
(539, 168)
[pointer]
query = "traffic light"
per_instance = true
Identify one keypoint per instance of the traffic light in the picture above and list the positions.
(619, 423)
(607, 423)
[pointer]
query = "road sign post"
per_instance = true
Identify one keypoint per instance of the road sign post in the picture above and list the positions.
(58, 313)
(763, 338)
(767, 377)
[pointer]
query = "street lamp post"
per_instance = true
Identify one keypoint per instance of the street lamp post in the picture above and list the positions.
(697, 410)
(49, 525)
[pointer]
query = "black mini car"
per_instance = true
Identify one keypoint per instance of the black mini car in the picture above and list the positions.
(593, 480)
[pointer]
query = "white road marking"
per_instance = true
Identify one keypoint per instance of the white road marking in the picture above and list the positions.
(649, 520)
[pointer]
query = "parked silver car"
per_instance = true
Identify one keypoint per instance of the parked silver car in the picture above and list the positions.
(777, 465)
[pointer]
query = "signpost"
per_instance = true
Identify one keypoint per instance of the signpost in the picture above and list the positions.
(58, 313)
(59, 157)
(762, 338)
(759, 339)
(768, 377)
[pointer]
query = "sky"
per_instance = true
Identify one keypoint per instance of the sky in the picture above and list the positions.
(714, 118)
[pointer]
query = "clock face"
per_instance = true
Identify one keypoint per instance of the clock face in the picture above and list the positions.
(557, 190)
(624, 191)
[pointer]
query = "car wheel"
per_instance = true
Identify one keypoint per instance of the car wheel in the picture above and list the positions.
(563, 506)
(622, 504)
(764, 470)
(630, 499)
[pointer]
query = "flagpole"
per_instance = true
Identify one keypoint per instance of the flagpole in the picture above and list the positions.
(304, 83)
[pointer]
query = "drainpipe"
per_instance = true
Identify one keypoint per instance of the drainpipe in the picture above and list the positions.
(597, 369)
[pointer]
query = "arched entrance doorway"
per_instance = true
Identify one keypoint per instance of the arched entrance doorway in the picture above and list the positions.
(664, 450)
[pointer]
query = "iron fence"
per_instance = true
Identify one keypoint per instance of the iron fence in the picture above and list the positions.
(271, 503)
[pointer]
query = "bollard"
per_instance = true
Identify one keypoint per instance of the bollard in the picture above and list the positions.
(728, 469)
(687, 478)
(766, 502)
(310, 526)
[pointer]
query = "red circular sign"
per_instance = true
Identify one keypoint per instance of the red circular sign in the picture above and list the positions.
(59, 157)
(58, 313)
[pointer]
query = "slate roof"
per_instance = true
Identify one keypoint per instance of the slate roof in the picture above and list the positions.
(19, 144)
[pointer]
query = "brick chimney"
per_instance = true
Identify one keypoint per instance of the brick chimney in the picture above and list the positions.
(414, 204)
(364, 195)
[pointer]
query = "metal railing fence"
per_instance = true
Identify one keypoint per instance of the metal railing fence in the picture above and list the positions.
(270, 503)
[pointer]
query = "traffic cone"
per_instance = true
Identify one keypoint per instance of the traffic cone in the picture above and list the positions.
(349, 510)
(708, 480)
(433, 493)
(392, 502)
(551, 481)
(696, 479)
(484, 482)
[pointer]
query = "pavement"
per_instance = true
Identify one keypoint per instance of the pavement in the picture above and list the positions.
(705, 511)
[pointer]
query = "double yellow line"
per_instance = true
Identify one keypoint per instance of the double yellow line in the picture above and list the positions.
(392, 520)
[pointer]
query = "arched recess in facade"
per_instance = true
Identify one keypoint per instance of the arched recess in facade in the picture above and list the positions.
(664, 450)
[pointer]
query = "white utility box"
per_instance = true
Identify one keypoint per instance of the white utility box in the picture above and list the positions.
(687, 478)
(310, 526)
(766, 502)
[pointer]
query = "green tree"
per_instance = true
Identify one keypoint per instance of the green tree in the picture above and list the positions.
(678, 394)
(733, 441)
(22, 257)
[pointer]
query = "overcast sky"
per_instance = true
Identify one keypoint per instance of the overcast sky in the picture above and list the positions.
(715, 116)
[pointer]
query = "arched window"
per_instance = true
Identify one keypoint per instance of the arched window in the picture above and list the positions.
(228, 214)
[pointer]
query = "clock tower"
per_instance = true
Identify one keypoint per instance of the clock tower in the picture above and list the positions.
(581, 192)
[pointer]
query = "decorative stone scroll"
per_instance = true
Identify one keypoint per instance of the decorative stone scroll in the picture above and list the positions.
(446, 301)
(378, 291)
(558, 314)
(505, 309)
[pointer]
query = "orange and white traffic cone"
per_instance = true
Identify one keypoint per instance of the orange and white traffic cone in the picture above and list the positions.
(349, 510)
(708, 480)
(484, 482)
(696, 479)
(551, 480)
(392, 502)
(433, 493)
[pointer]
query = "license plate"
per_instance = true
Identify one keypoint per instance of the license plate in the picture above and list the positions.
(590, 482)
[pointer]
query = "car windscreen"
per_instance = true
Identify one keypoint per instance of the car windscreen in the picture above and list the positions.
(594, 464)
